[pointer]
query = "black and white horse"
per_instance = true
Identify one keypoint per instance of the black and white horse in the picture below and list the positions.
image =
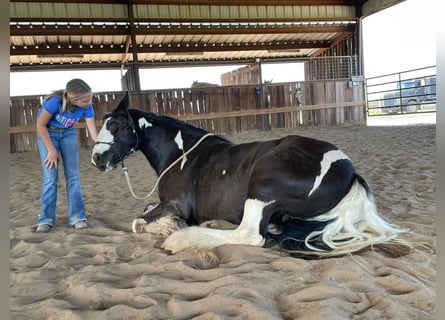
(301, 193)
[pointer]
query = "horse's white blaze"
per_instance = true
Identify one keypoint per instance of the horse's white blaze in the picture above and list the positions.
(105, 137)
(328, 159)
(143, 123)
(246, 233)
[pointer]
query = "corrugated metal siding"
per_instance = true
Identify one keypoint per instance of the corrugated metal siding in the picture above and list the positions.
(172, 12)
(68, 10)
(372, 6)
(193, 12)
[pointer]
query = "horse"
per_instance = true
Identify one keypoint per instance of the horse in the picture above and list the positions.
(299, 193)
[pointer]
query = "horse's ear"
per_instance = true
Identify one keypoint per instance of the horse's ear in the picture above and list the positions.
(123, 104)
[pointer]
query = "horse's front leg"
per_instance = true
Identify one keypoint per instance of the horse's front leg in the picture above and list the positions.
(247, 233)
(160, 219)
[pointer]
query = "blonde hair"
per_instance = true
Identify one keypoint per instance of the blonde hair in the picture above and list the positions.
(75, 88)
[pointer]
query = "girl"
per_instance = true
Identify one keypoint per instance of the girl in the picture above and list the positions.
(56, 135)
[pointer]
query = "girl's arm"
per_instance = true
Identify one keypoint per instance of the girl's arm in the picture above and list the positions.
(92, 128)
(51, 159)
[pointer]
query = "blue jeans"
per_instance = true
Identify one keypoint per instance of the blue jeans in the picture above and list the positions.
(66, 144)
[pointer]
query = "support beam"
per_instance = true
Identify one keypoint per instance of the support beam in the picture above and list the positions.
(170, 48)
(177, 29)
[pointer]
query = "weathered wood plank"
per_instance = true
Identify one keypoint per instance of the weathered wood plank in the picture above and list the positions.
(224, 109)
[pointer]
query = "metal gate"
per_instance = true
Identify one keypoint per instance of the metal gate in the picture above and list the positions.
(401, 93)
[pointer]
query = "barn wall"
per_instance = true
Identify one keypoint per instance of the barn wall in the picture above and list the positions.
(225, 109)
(246, 75)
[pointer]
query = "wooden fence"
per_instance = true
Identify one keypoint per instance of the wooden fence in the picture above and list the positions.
(225, 109)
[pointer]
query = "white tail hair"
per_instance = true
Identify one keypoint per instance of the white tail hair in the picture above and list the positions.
(356, 225)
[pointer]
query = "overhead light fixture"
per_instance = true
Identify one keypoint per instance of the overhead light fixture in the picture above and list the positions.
(193, 53)
(61, 56)
(284, 50)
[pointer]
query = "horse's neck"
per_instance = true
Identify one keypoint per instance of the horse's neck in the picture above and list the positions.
(161, 154)
(160, 157)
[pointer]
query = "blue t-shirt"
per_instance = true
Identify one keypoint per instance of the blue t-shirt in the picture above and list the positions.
(64, 119)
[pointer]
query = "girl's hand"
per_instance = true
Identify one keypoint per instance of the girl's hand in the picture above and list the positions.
(51, 160)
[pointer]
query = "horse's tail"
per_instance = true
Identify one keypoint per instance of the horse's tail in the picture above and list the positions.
(352, 225)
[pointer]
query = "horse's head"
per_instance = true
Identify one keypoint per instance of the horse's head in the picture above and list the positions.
(117, 138)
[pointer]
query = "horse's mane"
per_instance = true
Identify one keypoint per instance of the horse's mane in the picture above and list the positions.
(173, 122)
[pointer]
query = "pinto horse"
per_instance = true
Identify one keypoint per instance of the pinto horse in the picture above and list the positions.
(300, 193)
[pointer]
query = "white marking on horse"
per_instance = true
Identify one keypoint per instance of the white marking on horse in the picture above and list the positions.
(104, 140)
(223, 172)
(328, 159)
(180, 142)
(247, 233)
(357, 224)
(143, 123)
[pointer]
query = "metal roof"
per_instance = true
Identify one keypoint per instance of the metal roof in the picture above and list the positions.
(116, 33)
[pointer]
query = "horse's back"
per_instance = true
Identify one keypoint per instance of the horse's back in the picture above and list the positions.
(282, 170)
(305, 177)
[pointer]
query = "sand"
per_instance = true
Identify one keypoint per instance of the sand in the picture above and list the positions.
(108, 272)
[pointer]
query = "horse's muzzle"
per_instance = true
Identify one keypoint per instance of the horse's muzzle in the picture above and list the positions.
(96, 160)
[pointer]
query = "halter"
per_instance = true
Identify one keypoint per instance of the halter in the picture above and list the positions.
(115, 139)
(163, 172)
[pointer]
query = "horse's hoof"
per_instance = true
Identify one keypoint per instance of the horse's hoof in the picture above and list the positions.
(138, 225)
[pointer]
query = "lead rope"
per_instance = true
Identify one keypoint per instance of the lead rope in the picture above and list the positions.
(124, 168)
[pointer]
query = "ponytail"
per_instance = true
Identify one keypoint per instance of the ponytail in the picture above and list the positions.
(75, 88)
(61, 94)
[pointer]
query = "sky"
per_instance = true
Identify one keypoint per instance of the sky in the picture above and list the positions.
(399, 38)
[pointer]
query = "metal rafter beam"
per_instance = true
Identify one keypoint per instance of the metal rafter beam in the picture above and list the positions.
(215, 47)
(147, 64)
(168, 48)
(65, 30)
(180, 20)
